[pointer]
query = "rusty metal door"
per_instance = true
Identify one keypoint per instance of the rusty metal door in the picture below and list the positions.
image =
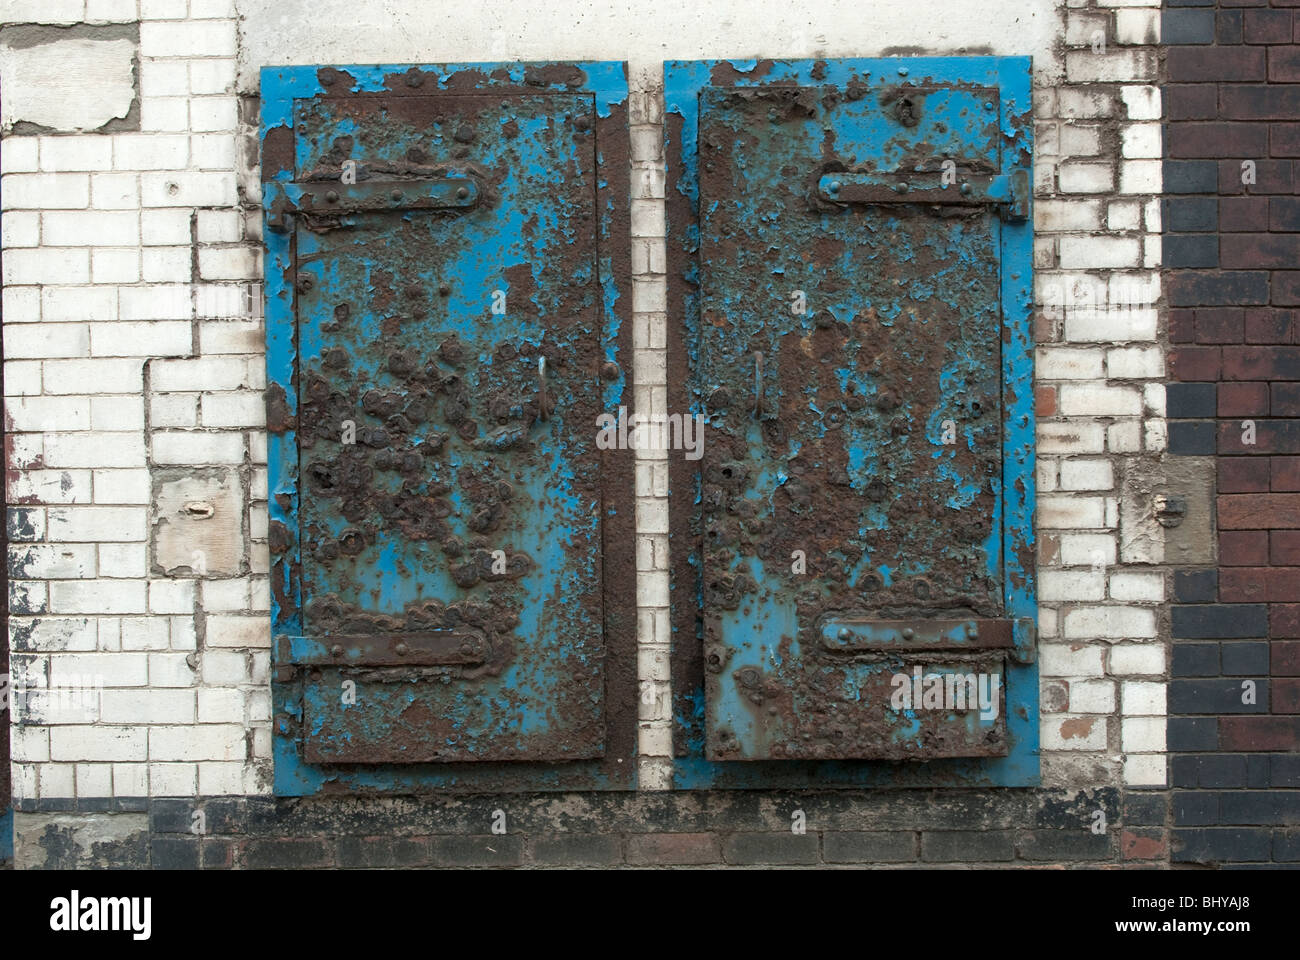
(851, 365)
(453, 353)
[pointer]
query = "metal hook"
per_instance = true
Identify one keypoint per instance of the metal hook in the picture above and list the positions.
(758, 383)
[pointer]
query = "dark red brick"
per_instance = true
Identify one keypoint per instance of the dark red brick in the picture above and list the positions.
(1195, 363)
(1285, 474)
(1284, 547)
(1249, 102)
(1259, 733)
(1284, 64)
(1284, 620)
(1191, 101)
(1241, 64)
(1284, 658)
(1241, 251)
(1243, 548)
(1220, 324)
(1284, 695)
(1284, 140)
(1243, 400)
(1267, 325)
(1260, 363)
(1284, 214)
(1285, 399)
(1243, 214)
(1271, 176)
(1243, 584)
(1259, 511)
(1143, 844)
(1216, 140)
(1285, 288)
(1283, 584)
(1045, 401)
(1267, 26)
(1243, 475)
(1182, 326)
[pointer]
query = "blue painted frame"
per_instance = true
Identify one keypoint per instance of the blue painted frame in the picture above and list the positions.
(683, 82)
(606, 81)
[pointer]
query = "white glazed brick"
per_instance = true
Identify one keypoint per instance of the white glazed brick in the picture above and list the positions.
(1143, 698)
(1087, 549)
(1141, 140)
(1137, 659)
(78, 304)
(1071, 660)
(1099, 400)
(1082, 177)
(1062, 512)
(1146, 770)
(1140, 176)
(1110, 623)
(190, 39)
(1062, 732)
(1139, 26)
(1087, 475)
(43, 191)
(174, 447)
(1062, 585)
(139, 152)
(95, 228)
(1092, 696)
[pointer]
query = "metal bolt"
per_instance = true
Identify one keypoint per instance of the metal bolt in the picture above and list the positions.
(833, 187)
(965, 188)
(396, 195)
(402, 649)
(610, 370)
(902, 71)
(462, 193)
(336, 650)
(305, 282)
(444, 289)
(972, 631)
(845, 633)
(908, 633)
(332, 197)
(988, 104)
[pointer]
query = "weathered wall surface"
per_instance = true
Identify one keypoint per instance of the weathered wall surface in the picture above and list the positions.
(1231, 249)
(134, 376)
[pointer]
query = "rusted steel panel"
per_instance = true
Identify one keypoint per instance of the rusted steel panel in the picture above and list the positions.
(440, 246)
(866, 382)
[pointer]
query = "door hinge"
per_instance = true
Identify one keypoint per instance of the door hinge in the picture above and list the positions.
(1009, 192)
(327, 199)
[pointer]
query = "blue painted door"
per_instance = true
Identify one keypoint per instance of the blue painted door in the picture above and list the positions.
(450, 334)
(850, 361)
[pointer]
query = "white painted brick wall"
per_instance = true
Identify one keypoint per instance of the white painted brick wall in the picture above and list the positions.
(114, 371)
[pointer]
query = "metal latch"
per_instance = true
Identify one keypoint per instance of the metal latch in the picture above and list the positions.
(1009, 192)
(330, 198)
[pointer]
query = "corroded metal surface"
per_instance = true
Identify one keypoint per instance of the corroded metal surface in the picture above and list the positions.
(438, 582)
(867, 385)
